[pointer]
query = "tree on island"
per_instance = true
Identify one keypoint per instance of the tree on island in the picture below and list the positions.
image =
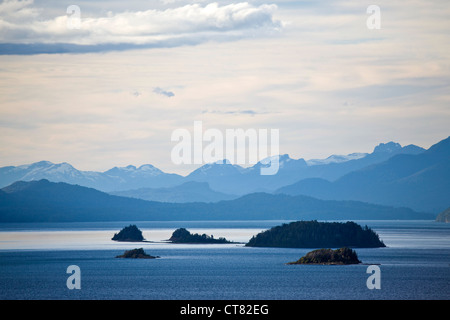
(182, 235)
(313, 234)
(130, 233)
(329, 256)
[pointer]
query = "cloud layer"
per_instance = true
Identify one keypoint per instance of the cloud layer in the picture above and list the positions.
(23, 27)
(330, 84)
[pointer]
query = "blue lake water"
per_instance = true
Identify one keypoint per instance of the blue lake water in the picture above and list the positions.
(34, 258)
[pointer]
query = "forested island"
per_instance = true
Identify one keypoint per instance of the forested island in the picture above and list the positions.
(314, 234)
(444, 216)
(136, 254)
(342, 256)
(182, 235)
(130, 233)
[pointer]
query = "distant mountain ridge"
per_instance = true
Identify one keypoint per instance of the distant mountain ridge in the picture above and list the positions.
(45, 201)
(418, 181)
(336, 159)
(117, 178)
(222, 177)
(190, 191)
(228, 178)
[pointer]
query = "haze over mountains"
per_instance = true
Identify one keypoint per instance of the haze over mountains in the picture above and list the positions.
(113, 179)
(228, 178)
(222, 177)
(391, 175)
(190, 191)
(45, 201)
(419, 181)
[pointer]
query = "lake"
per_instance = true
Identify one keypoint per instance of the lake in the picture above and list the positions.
(34, 258)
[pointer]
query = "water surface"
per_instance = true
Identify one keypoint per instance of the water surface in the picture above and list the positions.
(33, 262)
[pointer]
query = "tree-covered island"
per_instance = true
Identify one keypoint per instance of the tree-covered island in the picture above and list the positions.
(136, 254)
(340, 256)
(314, 234)
(444, 216)
(182, 235)
(130, 233)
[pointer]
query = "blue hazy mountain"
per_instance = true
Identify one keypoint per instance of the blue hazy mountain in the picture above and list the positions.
(45, 201)
(114, 179)
(418, 181)
(233, 179)
(228, 178)
(222, 177)
(190, 191)
(380, 153)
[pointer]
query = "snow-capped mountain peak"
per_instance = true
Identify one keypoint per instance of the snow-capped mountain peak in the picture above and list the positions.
(336, 159)
(149, 169)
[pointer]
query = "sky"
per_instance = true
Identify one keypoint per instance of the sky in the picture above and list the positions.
(100, 84)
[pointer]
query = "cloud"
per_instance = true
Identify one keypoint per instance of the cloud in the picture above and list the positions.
(160, 91)
(175, 1)
(235, 112)
(22, 27)
(396, 86)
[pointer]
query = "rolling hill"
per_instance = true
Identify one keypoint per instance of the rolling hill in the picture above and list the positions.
(45, 201)
(191, 191)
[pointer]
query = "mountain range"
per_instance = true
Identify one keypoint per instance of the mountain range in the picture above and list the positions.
(45, 201)
(391, 175)
(190, 191)
(233, 179)
(419, 181)
(130, 177)
(221, 176)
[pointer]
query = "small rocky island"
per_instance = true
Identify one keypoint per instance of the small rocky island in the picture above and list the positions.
(444, 216)
(136, 254)
(130, 234)
(314, 234)
(182, 235)
(342, 256)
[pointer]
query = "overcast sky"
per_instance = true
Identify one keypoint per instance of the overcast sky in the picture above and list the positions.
(111, 92)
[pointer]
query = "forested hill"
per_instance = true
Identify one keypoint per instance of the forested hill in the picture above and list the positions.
(313, 234)
(44, 201)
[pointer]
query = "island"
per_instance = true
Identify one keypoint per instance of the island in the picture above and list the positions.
(130, 234)
(136, 254)
(342, 256)
(182, 235)
(314, 234)
(444, 216)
